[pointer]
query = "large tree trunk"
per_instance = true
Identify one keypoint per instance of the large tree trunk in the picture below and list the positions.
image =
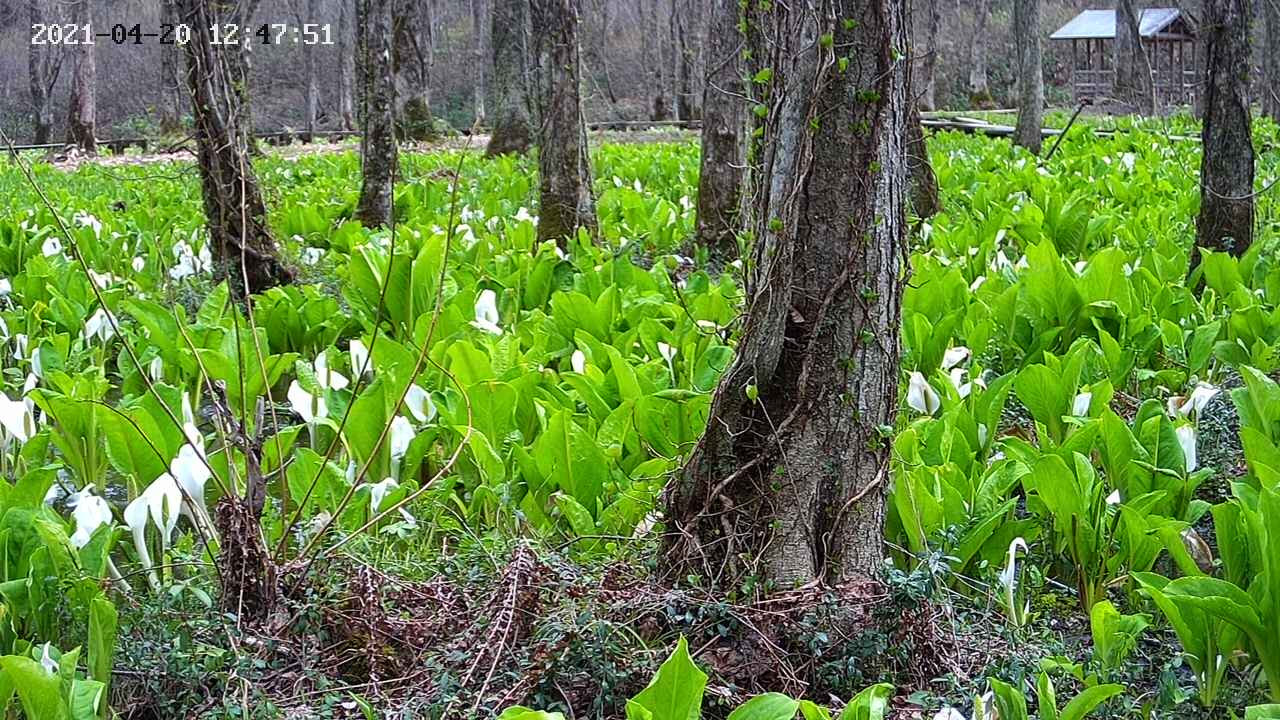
(237, 218)
(724, 123)
(413, 59)
(1271, 60)
(83, 112)
(787, 485)
(686, 108)
(43, 64)
(481, 57)
(1226, 168)
(928, 82)
(509, 35)
(1133, 69)
(564, 165)
(170, 74)
(925, 201)
(379, 156)
(346, 107)
(979, 92)
(1026, 33)
(311, 84)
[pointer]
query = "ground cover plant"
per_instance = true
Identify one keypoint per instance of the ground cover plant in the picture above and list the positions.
(463, 434)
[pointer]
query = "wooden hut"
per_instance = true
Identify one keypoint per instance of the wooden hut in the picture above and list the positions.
(1168, 35)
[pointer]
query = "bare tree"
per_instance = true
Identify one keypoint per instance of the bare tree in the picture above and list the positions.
(724, 125)
(510, 40)
(237, 218)
(928, 82)
(170, 75)
(44, 61)
(379, 156)
(787, 485)
(683, 24)
(481, 55)
(979, 92)
(564, 165)
(1270, 86)
(1226, 167)
(1026, 33)
(413, 58)
(306, 11)
(343, 47)
(82, 117)
(1133, 68)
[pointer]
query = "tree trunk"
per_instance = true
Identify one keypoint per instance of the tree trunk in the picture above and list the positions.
(170, 74)
(481, 57)
(311, 84)
(724, 122)
(564, 165)
(82, 116)
(413, 58)
(929, 62)
(686, 108)
(43, 65)
(379, 156)
(237, 218)
(510, 40)
(1133, 69)
(1226, 168)
(346, 108)
(787, 485)
(925, 201)
(979, 92)
(1026, 33)
(1271, 60)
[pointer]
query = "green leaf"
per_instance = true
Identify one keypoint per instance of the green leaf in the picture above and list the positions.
(870, 704)
(39, 690)
(770, 706)
(524, 713)
(675, 693)
(1088, 700)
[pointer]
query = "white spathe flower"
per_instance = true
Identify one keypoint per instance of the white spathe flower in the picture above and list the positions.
(312, 255)
(1187, 439)
(52, 246)
(37, 363)
(46, 660)
(17, 419)
(84, 219)
(326, 378)
(419, 403)
(402, 433)
(309, 407)
(1009, 581)
(139, 264)
(378, 492)
(160, 504)
(522, 215)
(359, 357)
(155, 368)
(954, 356)
(1197, 401)
(948, 713)
(6, 287)
(90, 513)
(977, 283)
(956, 376)
(921, 396)
(102, 280)
(667, 352)
(578, 361)
(100, 325)
(1113, 498)
(191, 473)
(1080, 406)
(487, 313)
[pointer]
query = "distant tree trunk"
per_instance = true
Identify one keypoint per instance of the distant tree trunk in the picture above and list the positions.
(237, 218)
(564, 165)
(1026, 33)
(1133, 69)
(925, 201)
(660, 110)
(787, 485)
(379, 156)
(480, 55)
(43, 64)
(1271, 60)
(979, 92)
(1226, 168)
(929, 62)
(686, 108)
(170, 74)
(346, 109)
(83, 112)
(724, 125)
(413, 59)
(509, 37)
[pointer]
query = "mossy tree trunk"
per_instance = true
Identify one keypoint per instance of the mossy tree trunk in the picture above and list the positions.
(379, 154)
(979, 90)
(83, 106)
(510, 39)
(565, 198)
(1026, 33)
(928, 60)
(242, 244)
(787, 485)
(170, 75)
(413, 61)
(724, 132)
(1226, 167)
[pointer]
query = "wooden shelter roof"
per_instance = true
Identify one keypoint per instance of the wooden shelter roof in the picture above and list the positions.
(1162, 23)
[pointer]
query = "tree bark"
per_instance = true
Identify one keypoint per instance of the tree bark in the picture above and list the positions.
(564, 165)
(925, 201)
(413, 59)
(237, 218)
(1133, 69)
(481, 57)
(346, 93)
(929, 62)
(379, 155)
(43, 65)
(787, 484)
(1226, 167)
(82, 116)
(1026, 33)
(724, 124)
(311, 84)
(979, 92)
(686, 108)
(1271, 60)
(170, 74)
(510, 40)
